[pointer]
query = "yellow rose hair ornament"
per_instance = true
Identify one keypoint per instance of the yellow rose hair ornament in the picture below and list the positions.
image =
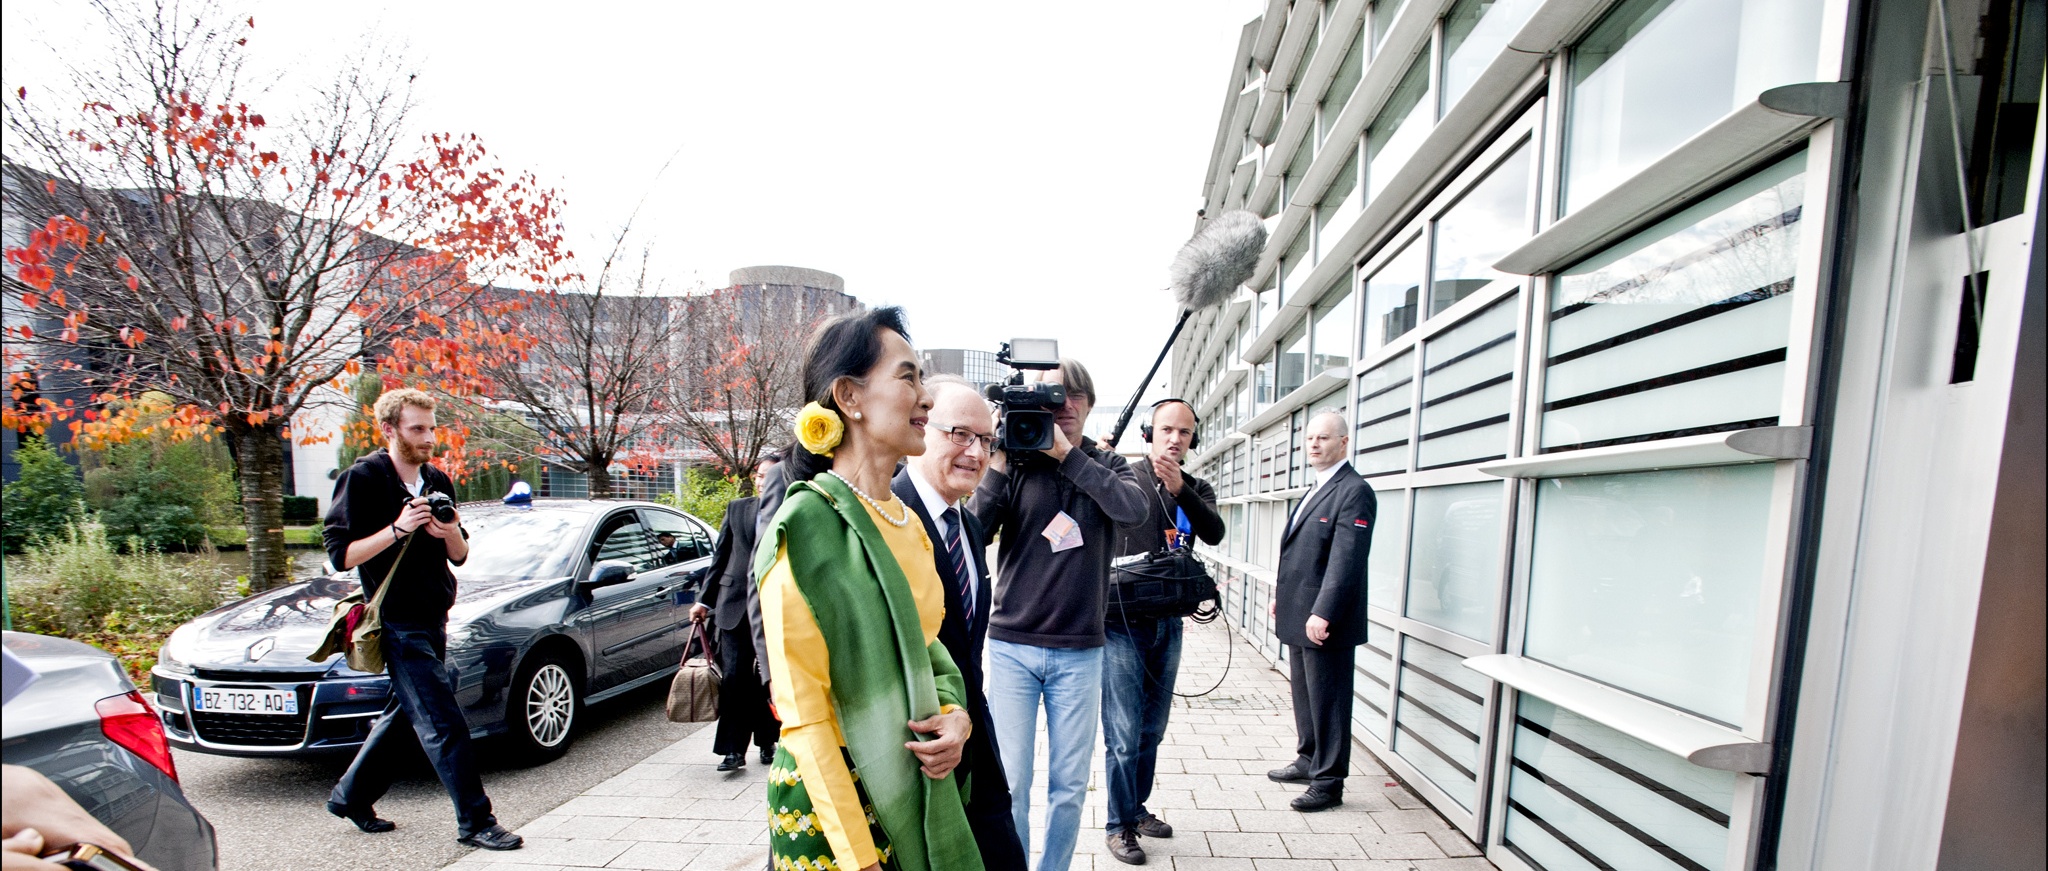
(819, 429)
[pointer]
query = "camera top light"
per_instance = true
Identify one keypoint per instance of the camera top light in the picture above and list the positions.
(1034, 353)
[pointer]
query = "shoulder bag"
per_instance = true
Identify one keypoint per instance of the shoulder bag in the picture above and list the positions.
(357, 628)
(693, 694)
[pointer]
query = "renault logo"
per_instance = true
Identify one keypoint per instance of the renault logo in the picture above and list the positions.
(257, 650)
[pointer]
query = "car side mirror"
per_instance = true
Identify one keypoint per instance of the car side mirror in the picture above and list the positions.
(607, 573)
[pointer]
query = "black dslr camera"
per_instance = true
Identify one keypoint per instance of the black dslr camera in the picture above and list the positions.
(1027, 409)
(442, 505)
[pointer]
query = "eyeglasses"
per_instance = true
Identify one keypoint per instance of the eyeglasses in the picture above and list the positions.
(964, 437)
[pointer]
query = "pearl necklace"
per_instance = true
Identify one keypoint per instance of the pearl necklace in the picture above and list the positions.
(870, 500)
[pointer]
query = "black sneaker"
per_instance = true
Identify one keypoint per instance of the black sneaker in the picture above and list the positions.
(1124, 846)
(733, 762)
(1151, 826)
(493, 838)
(367, 821)
(1318, 798)
(768, 755)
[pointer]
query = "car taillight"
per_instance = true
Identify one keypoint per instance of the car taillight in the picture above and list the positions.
(129, 721)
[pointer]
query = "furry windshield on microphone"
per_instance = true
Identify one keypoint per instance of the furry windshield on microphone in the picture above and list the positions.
(1210, 266)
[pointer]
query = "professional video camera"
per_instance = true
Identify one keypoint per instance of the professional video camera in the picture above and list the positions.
(1027, 416)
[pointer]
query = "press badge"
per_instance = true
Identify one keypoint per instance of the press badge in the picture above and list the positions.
(1062, 533)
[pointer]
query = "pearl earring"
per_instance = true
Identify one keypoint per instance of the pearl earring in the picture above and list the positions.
(856, 415)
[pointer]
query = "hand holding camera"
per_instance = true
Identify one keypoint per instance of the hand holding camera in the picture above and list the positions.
(444, 522)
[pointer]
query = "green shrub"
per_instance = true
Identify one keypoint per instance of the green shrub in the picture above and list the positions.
(301, 509)
(705, 494)
(79, 584)
(42, 501)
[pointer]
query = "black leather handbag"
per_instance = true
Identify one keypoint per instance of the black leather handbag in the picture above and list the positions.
(1166, 583)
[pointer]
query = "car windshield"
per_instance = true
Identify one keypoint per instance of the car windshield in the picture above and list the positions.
(523, 544)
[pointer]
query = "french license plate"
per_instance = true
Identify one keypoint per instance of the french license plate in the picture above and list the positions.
(225, 701)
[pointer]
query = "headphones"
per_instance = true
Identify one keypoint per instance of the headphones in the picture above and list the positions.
(1194, 438)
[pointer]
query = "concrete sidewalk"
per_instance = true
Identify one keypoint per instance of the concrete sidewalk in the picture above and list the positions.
(674, 811)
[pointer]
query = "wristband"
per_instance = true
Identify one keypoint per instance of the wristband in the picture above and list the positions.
(397, 535)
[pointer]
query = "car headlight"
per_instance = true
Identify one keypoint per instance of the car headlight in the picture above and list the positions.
(170, 663)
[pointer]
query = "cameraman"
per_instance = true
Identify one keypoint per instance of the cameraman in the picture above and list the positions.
(1143, 651)
(1057, 514)
(380, 516)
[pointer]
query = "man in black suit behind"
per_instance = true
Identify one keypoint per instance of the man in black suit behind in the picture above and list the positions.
(957, 439)
(1319, 610)
(743, 711)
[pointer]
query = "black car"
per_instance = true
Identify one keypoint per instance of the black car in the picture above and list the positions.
(563, 602)
(84, 726)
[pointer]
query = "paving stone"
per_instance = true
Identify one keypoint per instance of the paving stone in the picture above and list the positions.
(590, 827)
(1321, 845)
(1410, 821)
(657, 857)
(659, 830)
(1246, 844)
(1293, 864)
(1273, 821)
(1212, 863)
(1408, 845)
(729, 857)
(1453, 844)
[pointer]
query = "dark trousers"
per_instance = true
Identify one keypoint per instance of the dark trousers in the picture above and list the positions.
(989, 812)
(1140, 658)
(1321, 678)
(422, 705)
(743, 712)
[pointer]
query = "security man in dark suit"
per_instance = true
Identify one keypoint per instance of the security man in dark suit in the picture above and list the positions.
(743, 710)
(958, 438)
(1319, 610)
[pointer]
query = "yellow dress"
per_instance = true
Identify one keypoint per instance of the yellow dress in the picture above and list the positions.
(799, 668)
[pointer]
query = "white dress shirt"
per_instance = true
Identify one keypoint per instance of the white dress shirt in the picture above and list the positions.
(935, 506)
(1323, 477)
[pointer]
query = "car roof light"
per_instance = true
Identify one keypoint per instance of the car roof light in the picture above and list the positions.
(521, 494)
(129, 721)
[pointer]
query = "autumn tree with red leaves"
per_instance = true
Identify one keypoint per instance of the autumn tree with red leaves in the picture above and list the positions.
(741, 380)
(242, 267)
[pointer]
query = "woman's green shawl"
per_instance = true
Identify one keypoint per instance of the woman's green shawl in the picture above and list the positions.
(883, 672)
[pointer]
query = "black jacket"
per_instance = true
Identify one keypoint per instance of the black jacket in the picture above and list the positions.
(1196, 497)
(725, 586)
(1323, 562)
(367, 497)
(1048, 599)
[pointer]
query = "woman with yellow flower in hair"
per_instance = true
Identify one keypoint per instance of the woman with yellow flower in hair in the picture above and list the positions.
(870, 702)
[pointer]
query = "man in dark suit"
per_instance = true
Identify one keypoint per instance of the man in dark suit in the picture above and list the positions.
(1319, 610)
(743, 710)
(958, 438)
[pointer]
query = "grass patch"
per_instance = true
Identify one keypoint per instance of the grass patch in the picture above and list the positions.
(80, 586)
(237, 538)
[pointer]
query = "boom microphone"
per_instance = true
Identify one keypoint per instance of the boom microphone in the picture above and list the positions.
(1206, 271)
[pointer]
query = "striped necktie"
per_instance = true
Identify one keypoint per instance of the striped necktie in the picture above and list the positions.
(961, 570)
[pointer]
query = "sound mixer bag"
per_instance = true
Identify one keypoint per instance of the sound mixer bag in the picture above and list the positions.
(1168, 583)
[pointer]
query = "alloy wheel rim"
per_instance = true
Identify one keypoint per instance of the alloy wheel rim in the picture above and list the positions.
(550, 705)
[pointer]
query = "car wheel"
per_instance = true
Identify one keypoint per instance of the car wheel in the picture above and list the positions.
(543, 707)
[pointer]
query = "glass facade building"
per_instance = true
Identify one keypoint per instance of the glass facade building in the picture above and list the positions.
(1693, 349)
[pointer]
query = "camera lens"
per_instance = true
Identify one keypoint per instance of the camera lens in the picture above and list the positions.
(1027, 431)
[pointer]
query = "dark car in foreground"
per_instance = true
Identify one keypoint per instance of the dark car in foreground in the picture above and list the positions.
(83, 725)
(563, 603)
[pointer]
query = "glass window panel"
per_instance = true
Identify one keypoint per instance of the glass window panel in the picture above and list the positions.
(1654, 72)
(1455, 559)
(1475, 31)
(1332, 337)
(1581, 793)
(1488, 222)
(1349, 71)
(1391, 298)
(1383, 12)
(1375, 693)
(1385, 399)
(1467, 388)
(1296, 263)
(1398, 131)
(1682, 328)
(1338, 201)
(1649, 581)
(1438, 718)
(1293, 360)
(1262, 380)
(1389, 551)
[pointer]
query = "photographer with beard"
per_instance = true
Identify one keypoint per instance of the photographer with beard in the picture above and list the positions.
(381, 515)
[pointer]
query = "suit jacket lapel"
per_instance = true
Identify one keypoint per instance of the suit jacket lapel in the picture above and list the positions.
(1301, 515)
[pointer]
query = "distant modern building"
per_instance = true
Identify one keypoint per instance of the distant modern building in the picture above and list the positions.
(974, 365)
(1694, 349)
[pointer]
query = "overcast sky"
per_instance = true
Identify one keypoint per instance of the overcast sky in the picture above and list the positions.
(996, 169)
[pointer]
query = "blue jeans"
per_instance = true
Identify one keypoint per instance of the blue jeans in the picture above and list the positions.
(1069, 681)
(1140, 660)
(422, 704)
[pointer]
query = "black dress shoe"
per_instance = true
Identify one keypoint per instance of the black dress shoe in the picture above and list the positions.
(1293, 773)
(493, 838)
(1151, 826)
(1318, 798)
(733, 762)
(1124, 846)
(768, 754)
(368, 822)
